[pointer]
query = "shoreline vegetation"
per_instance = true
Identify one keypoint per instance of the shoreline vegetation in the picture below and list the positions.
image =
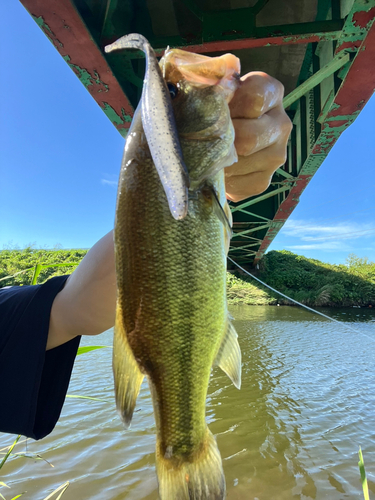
(308, 281)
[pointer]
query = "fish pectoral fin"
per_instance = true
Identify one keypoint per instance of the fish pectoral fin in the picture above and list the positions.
(228, 233)
(127, 374)
(224, 215)
(229, 356)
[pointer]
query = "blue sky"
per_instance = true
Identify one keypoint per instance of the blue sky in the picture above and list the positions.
(60, 158)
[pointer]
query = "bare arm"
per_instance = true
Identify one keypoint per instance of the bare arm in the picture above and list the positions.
(87, 303)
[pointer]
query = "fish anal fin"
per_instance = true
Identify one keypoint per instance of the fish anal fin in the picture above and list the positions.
(200, 477)
(229, 356)
(127, 374)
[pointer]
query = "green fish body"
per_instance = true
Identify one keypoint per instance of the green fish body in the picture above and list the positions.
(171, 321)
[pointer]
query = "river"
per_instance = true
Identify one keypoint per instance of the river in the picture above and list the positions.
(306, 404)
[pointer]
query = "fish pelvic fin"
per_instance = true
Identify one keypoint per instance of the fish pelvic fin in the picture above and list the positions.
(229, 356)
(127, 374)
(200, 477)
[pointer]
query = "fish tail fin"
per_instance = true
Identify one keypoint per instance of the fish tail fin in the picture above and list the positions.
(128, 377)
(201, 478)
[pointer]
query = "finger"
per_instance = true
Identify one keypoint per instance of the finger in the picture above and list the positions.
(257, 94)
(240, 187)
(253, 135)
(266, 160)
(252, 174)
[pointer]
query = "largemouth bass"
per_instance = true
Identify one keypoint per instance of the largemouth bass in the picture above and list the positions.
(172, 323)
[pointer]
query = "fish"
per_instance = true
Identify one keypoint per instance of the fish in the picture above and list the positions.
(172, 323)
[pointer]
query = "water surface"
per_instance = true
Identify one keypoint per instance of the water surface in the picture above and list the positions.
(292, 432)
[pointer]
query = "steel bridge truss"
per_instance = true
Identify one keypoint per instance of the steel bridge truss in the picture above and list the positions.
(336, 78)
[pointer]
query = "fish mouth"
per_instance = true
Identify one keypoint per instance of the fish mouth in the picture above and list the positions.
(223, 71)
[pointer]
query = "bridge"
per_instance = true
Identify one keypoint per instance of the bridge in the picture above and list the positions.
(323, 51)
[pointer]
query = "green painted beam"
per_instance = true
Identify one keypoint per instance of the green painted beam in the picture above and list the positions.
(194, 8)
(251, 230)
(261, 198)
(337, 62)
(255, 9)
(242, 247)
(300, 28)
(326, 107)
(252, 238)
(256, 215)
(285, 174)
(246, 212)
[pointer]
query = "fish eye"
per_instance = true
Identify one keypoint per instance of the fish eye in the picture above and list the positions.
(173, 90)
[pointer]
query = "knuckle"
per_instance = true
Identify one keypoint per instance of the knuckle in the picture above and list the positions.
(244, 141)
(280, 157)
(263, 185)
(277, 155)
(279, 87)
(245, 147)
(286, 125)
(257, 104)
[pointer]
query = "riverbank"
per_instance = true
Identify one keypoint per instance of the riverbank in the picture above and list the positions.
(309, 281)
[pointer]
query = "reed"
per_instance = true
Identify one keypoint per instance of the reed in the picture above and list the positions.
(60, 490)
(362, 471)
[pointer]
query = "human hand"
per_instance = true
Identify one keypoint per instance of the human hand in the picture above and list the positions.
(262, 130)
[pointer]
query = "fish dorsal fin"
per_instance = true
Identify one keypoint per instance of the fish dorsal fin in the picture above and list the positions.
(225, 216)
(128, 377)
(229, 356)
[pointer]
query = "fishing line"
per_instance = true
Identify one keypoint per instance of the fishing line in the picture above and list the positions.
(300, 304)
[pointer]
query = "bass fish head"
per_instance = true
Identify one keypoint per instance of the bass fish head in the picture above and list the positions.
(201, 88)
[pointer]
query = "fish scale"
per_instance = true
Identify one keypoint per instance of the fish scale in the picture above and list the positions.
(171, 320)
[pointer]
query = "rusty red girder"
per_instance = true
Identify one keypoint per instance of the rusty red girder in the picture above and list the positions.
(64, 27)
(252, 43)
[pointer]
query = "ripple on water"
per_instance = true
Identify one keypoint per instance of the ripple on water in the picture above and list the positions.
(307, 401)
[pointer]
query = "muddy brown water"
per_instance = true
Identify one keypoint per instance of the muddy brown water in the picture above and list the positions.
(292, 432)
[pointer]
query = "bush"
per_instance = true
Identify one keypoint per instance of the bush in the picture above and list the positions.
(319, 284)
(14, 261)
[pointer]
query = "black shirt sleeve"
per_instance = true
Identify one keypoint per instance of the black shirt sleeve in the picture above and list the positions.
(33, 381)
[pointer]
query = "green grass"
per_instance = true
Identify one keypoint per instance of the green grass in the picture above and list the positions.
(240, 290)
(309, 281)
